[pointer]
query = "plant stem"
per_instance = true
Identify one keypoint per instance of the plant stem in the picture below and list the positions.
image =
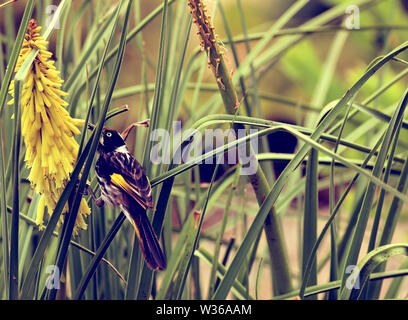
(273, 232)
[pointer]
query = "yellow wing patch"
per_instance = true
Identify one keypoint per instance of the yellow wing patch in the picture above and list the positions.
(120, 182)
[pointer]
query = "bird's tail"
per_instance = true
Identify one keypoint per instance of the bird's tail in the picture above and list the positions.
(148, 242)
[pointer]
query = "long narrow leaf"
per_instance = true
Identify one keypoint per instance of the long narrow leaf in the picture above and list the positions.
(357, 280)
(98, 256)
(14, 280)
(310, 215)
(4, 230)
(27, 290)
(147, 275)
(15, 53)
(273, 195)
(357, 239)
(66, 237)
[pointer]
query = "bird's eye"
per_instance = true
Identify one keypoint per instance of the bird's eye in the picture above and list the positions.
(108, 134)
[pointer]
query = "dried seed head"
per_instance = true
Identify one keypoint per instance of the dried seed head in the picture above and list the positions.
(208, 38)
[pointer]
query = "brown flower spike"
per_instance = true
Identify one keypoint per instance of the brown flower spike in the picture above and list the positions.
(208, 38)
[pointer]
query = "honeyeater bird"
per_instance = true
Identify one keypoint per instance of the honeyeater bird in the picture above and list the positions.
(124, 184)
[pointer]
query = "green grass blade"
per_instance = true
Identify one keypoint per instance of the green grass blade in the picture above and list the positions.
(176, 87)
(192, 242)
(322, 87)
(10, 32)
(98, 256)
(154, 121)
(357, 280)
(3, 207)
(136, 256)
(66, 236)
(391, 221)
(358, 235)
(26, 232)
(348, 164)
(186, 258)
(22, 72)
(146, 283)
(274, 51)
(394, 288)
(284, 19)
(96, 85)
(237, 288)
(330, 221)
(296, 159)
(335, 285)
(310, 215)
(381, 198)
(174, 261)
(27, 290)
(132, 33)
(15, 53)
(221, 233)
(14, 258)
(61, 39)
(273, 195)
(86, 54)
(68, 54)
(179, 250)
(218, 118)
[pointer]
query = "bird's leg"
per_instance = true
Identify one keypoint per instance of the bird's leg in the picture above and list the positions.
(98, 201)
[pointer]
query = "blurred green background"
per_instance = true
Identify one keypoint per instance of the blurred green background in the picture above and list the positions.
(284, 85)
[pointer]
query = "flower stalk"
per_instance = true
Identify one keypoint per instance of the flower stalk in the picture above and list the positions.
(214, 50)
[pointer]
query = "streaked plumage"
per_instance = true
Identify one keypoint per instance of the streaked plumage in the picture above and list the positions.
(124, 184)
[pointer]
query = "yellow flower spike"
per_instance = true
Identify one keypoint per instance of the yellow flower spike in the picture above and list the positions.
(39, 85)
(78, 122)
(59, 92)
(29, 81)
(44, 156)
(47, 102)
(57, 132)
(40, 213)
(24, 98)
(31, 110)
(73, 128)
(57, 120)
(47, 128)
(53, 96)
(37, 121)
(52, 73)
(39, 103)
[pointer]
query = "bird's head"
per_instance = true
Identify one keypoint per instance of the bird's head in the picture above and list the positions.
(111, 140)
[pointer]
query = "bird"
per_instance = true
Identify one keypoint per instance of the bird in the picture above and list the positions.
(124, 184)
